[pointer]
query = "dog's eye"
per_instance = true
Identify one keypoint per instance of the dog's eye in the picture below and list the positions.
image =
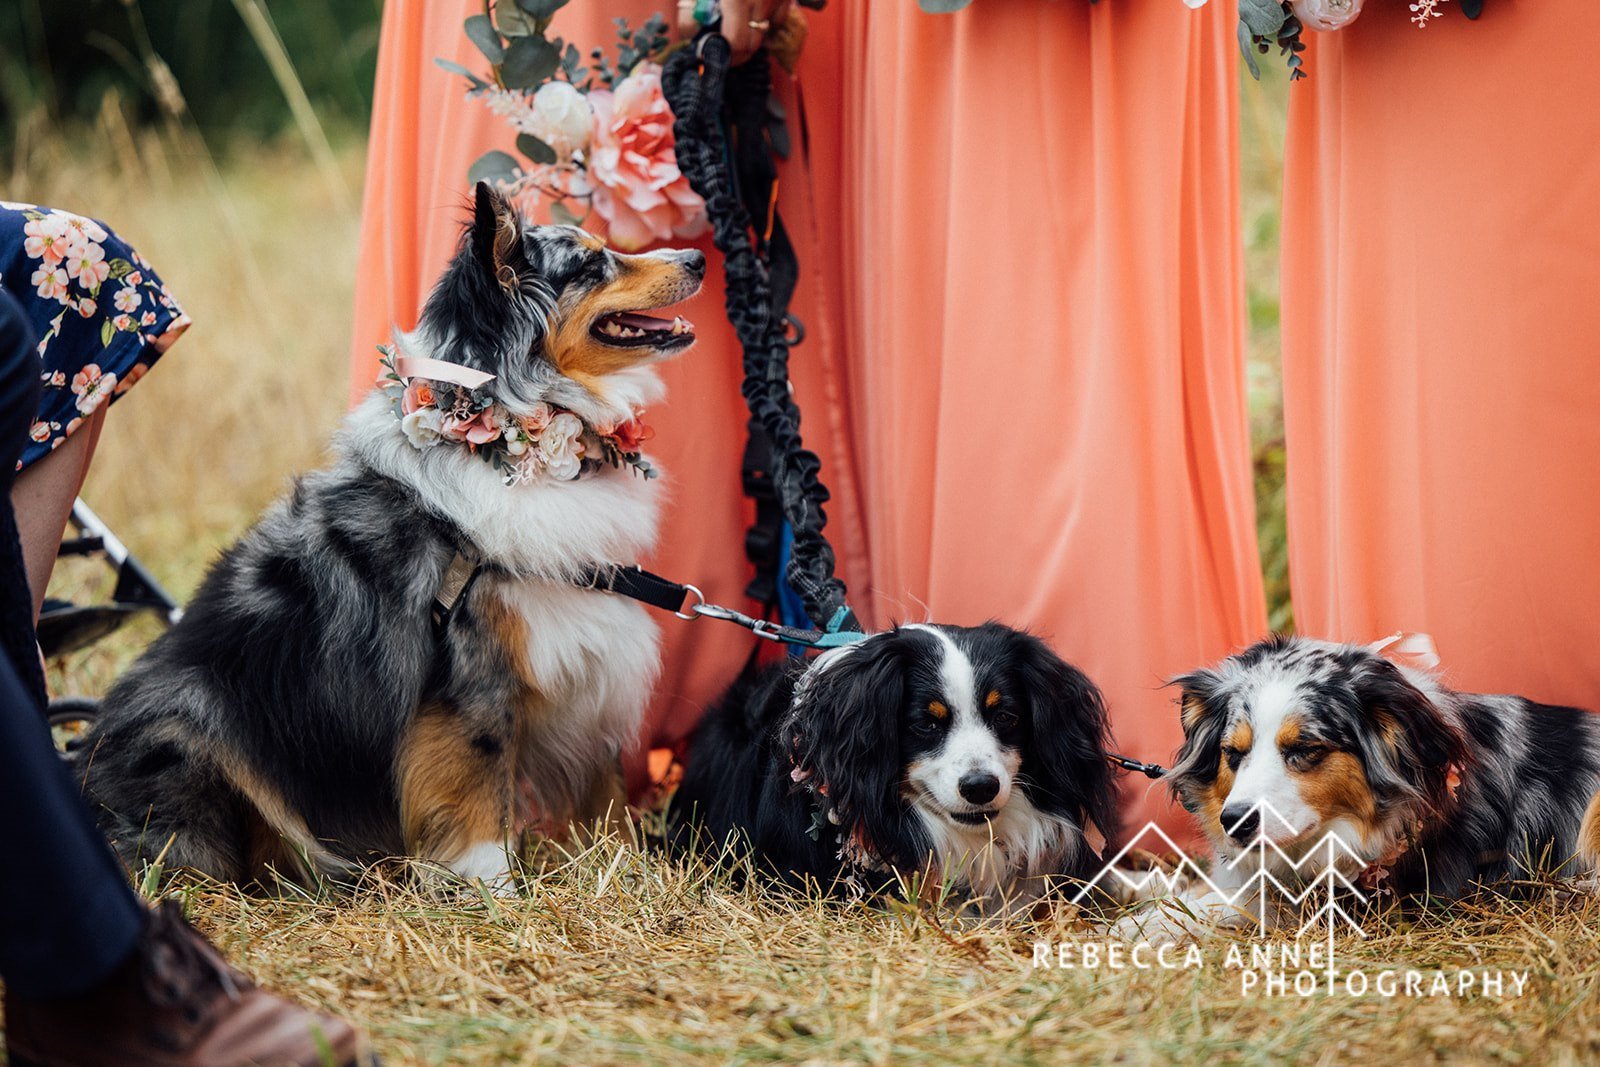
(1304, 757)
(925, 725)
(1234, 756)
(1004, 719)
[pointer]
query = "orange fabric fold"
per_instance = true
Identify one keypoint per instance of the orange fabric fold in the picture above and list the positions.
(1440, 256)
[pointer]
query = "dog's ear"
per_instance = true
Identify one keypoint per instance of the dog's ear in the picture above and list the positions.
(1065, 761)
(1411, 751)
(846, 735)
(1203, 712)
(497, 238)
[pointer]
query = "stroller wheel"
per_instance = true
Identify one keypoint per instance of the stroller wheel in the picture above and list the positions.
(70, 719)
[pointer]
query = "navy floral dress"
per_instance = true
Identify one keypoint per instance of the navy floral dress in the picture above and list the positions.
(101, 314)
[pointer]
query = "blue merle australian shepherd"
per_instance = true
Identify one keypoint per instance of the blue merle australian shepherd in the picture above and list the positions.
(1431, 791)
(311, 710)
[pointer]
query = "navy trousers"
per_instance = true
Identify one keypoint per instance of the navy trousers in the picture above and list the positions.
(67, 915)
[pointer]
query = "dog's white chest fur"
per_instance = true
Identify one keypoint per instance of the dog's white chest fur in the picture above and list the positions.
(592, 656)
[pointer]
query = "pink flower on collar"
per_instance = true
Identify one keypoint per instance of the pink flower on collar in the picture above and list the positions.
(631, 435)
(419, 394)
(478, 430)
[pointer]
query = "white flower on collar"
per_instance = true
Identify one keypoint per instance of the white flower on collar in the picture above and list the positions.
(424, 427)
(561, 445)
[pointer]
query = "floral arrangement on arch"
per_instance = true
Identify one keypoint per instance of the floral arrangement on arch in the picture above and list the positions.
(596, 137)
(1264, 23)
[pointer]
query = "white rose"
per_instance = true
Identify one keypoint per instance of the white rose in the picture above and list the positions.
(423, 427)
(560, 118)
(1326, 14)
(1194, 3)
(561, 445)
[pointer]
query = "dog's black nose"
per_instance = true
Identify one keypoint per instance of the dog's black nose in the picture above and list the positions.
(695, 262)
(979, 787)
(1241, 823)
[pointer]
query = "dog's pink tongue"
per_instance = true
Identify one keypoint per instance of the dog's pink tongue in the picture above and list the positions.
(639, 321)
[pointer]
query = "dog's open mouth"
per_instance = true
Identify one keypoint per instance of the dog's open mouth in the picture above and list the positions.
(972, 818)
(635, 329)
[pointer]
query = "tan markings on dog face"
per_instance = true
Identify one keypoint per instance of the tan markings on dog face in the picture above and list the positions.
(992, 699)
(938, 710)
(1336, 787)
(453, 793)
(589, 240)
(1589, 834)
(642, 284)
(1288, 732)
(1215, 796)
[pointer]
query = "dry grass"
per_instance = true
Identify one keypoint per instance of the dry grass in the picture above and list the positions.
(614, 956)
(264, 261)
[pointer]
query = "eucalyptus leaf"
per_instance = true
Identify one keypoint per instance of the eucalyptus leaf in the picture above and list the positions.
(457, 68)
(535, 149)
(1247, 49)
(541, 9)
(492, 166)
(942, 7)
(529, 61)
(481, 32)
(1264, 17)
(512, 21)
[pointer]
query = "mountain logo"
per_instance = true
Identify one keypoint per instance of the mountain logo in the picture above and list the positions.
(1259, 886)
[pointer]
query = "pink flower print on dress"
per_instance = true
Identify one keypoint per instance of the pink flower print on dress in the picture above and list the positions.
(46, 238)
(88, 265)
(51, 283)
(91, 387)
(127, 299)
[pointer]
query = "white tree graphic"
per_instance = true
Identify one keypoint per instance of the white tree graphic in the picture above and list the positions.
(1258, 885)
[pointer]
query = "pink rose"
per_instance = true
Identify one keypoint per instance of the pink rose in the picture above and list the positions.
(478, 430)
(1327, 14)
(633, 164)
(419, 394)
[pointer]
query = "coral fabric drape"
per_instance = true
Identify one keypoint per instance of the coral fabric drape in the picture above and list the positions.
(1041, 268)
(1442, 394)
(1024, 357)
(425, 134)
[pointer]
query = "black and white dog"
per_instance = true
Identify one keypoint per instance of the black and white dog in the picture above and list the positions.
(973, 755)
(1428, 791)
(313, 709)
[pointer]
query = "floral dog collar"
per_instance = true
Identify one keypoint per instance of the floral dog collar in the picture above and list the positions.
(548, 442)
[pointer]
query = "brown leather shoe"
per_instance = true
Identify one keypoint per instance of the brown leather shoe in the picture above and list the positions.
(176, 1002)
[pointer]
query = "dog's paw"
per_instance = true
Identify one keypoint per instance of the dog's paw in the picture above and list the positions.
(1157, 926)
(482, 867)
